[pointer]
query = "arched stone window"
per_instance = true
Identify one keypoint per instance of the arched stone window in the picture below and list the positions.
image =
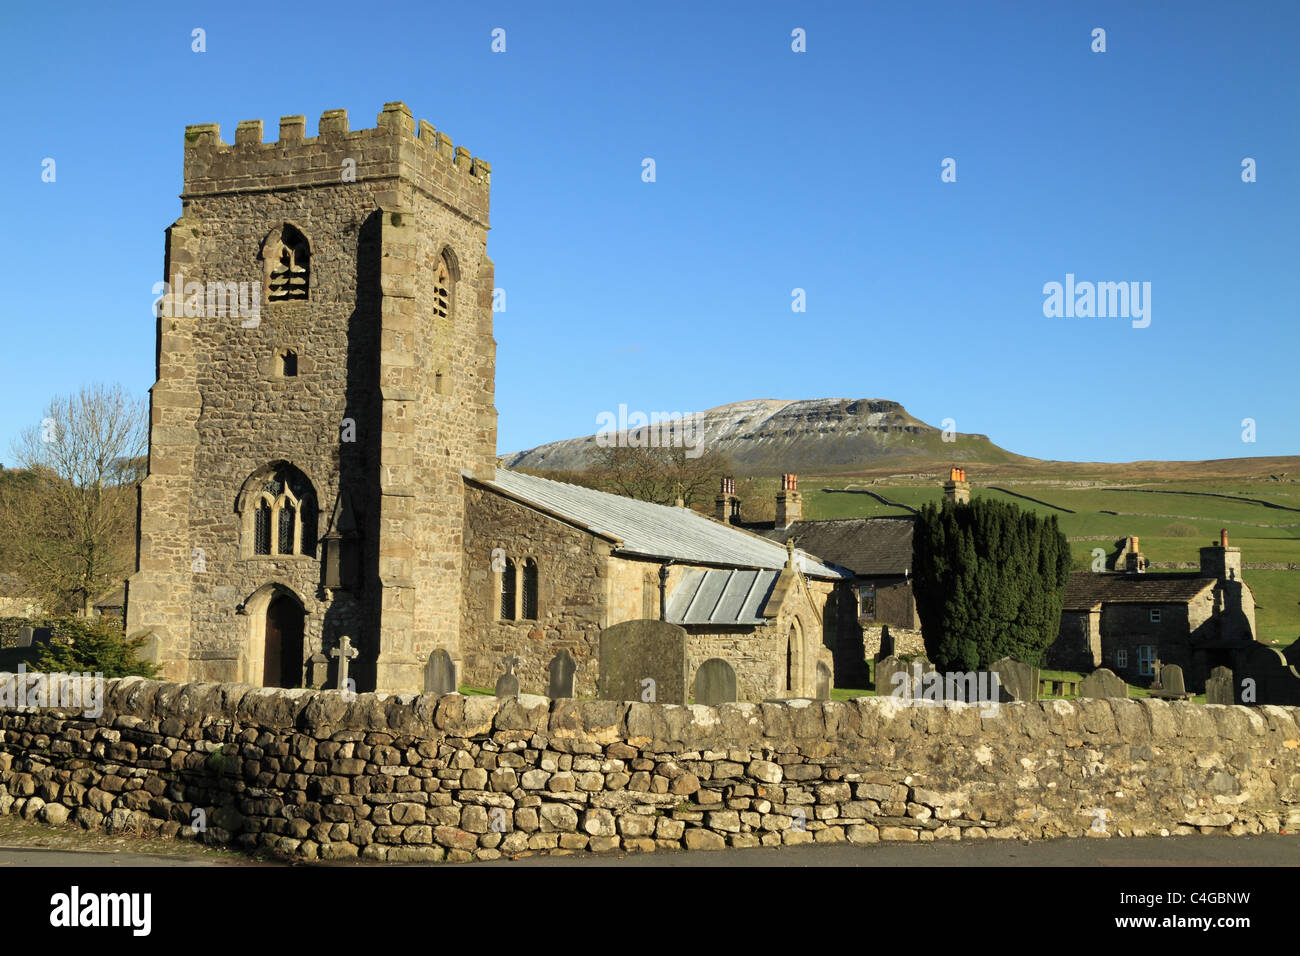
(279, 508)
(508, 591)
(445, 273)
(286, 264)
(530, 590)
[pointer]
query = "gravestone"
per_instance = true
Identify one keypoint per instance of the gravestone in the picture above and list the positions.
(888, 685)
(151, 648)
(563, 667)
(823, 681)
(644, 661)
(1157, 675)
(715, 682)
(1103, 682)
(1018, 681)
(1262, 675)
(344, 653)
(508, 683)
(440, 673)
(318, 667)
(886, 644)
(886, 668)
(25, 636)
(1218, 687)
(1171, 684)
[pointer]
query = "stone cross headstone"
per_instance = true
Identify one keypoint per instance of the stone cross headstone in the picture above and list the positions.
(823, 681)
(886, 644)
(440, 673)
(344, 653)
(1157, 674)
(643, 661)
(1018, 681)
(1218, 687)
(508, 683)
(562, 668)
(715, 682)
(1103, 682)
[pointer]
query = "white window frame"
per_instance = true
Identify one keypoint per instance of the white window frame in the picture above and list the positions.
(1121, 657)
(1146, 655)
(1154, 615)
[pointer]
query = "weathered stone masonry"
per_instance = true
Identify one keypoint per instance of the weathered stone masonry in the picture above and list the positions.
(311, 774)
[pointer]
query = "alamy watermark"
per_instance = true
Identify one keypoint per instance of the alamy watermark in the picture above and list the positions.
(968, 687)
(209, 300)
(84, 692)
(1102, 300)
(655, 430)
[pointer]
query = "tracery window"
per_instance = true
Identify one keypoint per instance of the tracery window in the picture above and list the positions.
(284, 514)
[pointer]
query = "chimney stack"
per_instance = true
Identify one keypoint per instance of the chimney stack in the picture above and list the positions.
(1135, 562)
(789, 503)
(1221, 560)
(956, 489)
(726, 506)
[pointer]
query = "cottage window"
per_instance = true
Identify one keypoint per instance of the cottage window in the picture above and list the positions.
(867, 602)
(1121, 657)
(1147, 660)
(1155, 615)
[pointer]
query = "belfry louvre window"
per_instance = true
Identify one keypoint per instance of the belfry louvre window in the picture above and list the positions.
(288, 265)
(284, 515)
(530, 590)
(508, 591)
(442, 289)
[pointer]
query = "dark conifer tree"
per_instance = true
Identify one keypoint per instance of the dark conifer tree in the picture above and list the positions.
(989, 580)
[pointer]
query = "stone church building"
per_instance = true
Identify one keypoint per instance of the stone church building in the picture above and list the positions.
(322, 448)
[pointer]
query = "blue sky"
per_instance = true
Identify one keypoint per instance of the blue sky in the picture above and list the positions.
(775, 171)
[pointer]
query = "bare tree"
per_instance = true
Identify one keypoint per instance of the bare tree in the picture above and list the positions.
(661, 475)
(69, 528)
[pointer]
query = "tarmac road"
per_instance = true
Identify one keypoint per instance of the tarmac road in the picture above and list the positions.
(1189, 851)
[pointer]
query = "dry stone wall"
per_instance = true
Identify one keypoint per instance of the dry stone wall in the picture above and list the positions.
(407, 778)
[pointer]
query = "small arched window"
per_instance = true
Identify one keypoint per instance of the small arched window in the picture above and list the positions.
(442, 288)
(286, 264)
(508, 590)
(530, 590)
(284, 517)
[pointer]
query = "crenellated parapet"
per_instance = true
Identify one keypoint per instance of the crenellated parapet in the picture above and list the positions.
(396, 146)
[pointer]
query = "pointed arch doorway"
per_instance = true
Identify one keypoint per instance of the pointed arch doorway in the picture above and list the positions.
(276, 621)
(282, 654)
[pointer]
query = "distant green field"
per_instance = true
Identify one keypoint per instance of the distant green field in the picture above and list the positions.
(1172, 526)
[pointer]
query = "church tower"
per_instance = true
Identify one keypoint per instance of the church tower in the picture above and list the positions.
(325, 367)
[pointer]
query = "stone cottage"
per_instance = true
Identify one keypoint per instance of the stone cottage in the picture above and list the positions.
(1127, 620)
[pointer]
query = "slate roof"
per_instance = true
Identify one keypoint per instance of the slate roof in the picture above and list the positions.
(642, 529)
(866, 546)
(1087, 589)
(717, 596)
